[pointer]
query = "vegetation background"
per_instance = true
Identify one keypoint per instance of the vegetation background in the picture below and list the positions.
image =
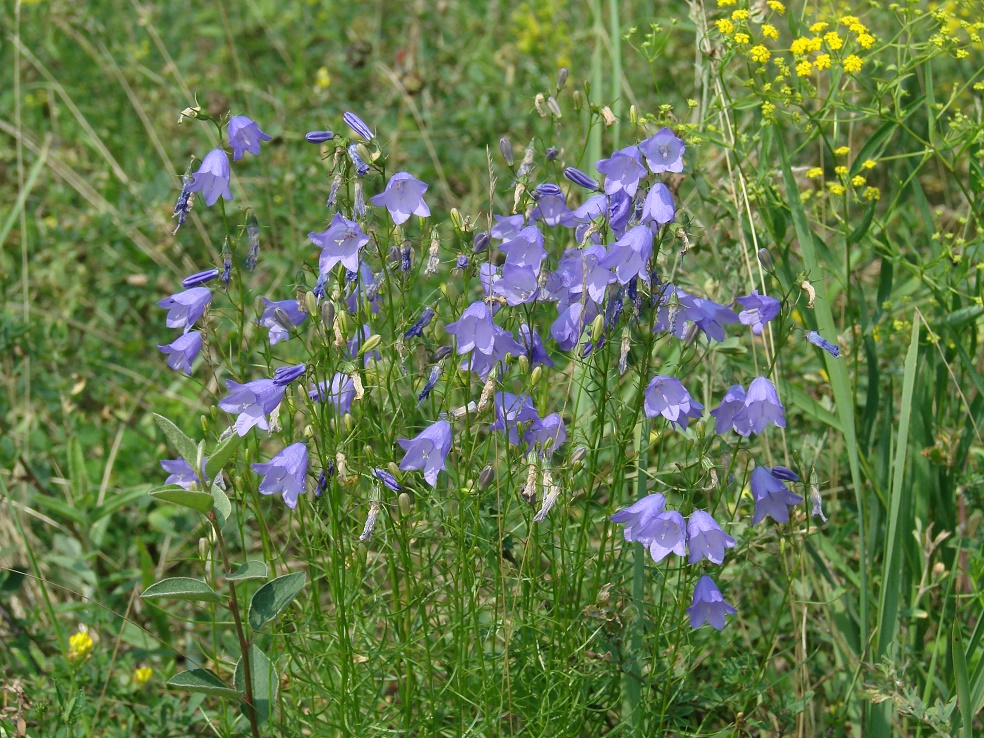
(867, 624)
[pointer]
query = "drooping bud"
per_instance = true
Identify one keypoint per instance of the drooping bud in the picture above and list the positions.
(283, 319)
(456, 220)
(578, 455)
(765, 259)
(608, 116)
(422, 322)
(310, 303)
(578, 98)
(633, 115)
(535, 376)
(506, 149)
(435, 374)
(328, 313)
(441, 352)
(597, 327)
(562, 78)
(370, 343)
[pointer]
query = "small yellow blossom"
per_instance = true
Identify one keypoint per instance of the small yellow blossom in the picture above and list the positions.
(817, 27)
(962, 53)
(842, 151)
(848, 20)
(835, 189)
(869, 164)
(801, 46)
(770, 31)
(742, 38)
(142, 675)
(857, 180)
(834, 41)
(725, 26)
(822, 61)
(804, 68)
(79, 646)
(852, 63)
(725, 3)
(814, 172)
(322, 80)
(840, 170)
(760, 54)
(768, 111)
(865, 40)
(871, 193)
(739, 15)
(777, 6)
(858, 28)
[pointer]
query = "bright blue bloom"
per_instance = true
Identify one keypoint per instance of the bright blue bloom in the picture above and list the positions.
(638, 517)
(629, 256)
(388, 479)
(759, 310)
(245, 135)
(428, 451)
(278, 332)
(667, 396)
(708, 605)
(518, 285)
(771, 496)
(551, 205)
(817, 340)
(358, 126)
(536, 352)
(287, 374)
(668, 534)
(663, 152)
(403, 197)
(182, 352)
(212, 177)
(581, 270)
(507, 226)
(285, 473)
(252, 402)
(503, 343)
(339, 393)
(705, 539)
(340, 244)
(620, 209)
(622, 171)
(730, 414)
(510, 410)
(474, 330)
(591, 209)
(762, 406)
(185, 308)
(180, 473)
(525, 248)
(572, 319)
(659, 207)
(548, 433)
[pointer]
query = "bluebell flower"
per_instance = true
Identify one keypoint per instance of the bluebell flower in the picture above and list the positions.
(785, 473)
(525, 248)
(581, 271)
(481, 242)
(771, 496)
(629, 256)
(667, 532)
(507, 226)
(503, 343)
(182, 352)
(517, 285)
(762, 406)
(212, 177)
(474, 330)
(461, 262)
(668, 397)
(252, 402)
(663, 152)
(638, 517)
(659, 207)
(572, 320)
(705, 539)
(361, 168)
(817, 340)
(708, 605)
(620, 209)
(284, 375)
(245, 135)
(185, 308)
(551, 207)
(730, 414)
(180, 473)
(759, 310)
(285, 473)
(548, 433)
(428, 451)
(340, 244)
(317, 137)
(388, 479)
(279, 332)
(536, 352)
(339, 392)
(510, 411)
(422, 322)
(403, 197)
(358, 126)
(590, 210)
(622, 171)
(580, 178)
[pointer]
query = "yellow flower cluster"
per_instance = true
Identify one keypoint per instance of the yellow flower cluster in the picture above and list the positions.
(857, 182)
(79, 646)
(142, 675)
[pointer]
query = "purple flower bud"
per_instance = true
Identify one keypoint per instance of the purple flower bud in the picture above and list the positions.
(482, 241)
(581, 179)
(785, 473)
(200, 278)
(552, 153)
(287, 374)
(361, 168)
(817, 340)
(461, 262)
(405, 251)
(245, 135)
(422, 322)
(226, 268)
(388, 479)
(708, 605)
(322, 484)
(317, 137)
(358, 126)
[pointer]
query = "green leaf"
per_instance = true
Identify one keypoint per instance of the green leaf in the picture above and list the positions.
(223, 452)
(272, 597)
(115, 501)
(961, 676)
(264, 679)
(222, 506)
(77, 471)
(185, 447)
(181, 588)
(201, 680)
(176, 494)
(249, 570)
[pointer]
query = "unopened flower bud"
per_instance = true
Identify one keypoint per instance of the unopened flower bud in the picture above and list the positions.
(597, 326)
(481, 241)
(310, 303)
(441, 352)
(203, 548)
(765, 259)
(357, 125)
(578, 99)
(317, 137)
(394, 469)
(506, 149)
(524, 364)
(691, 335)
(349, 422)
(578, 455)
(554, 108)
(633, 115)
(485, 477)
(328, 313)
(370, 343)
(562, 78)
(535, 376)
(456, 219)
(580, 178)
(552, 153)
(280, 315)
(404, 502)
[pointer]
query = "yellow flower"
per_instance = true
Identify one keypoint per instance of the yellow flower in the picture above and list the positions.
(322, 80)
(814, 172)
(801, 46)
(770, 31)
(852, 64)
(777, 6)
(871, 193)
(834, 41)
(822, 61)
(815, 43)
(817, 27)
(848, 20)
(858, 28)
(725, 26)
(724, 3)
(868, 164)
(835, 189)
(804, 68)
(768, 111)
(739, 15)
(840, 170)
(142, 675)
(742, 38)
(760, 54)
(857, 180)
(865, 40)
(79, 646)
(962, 53)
